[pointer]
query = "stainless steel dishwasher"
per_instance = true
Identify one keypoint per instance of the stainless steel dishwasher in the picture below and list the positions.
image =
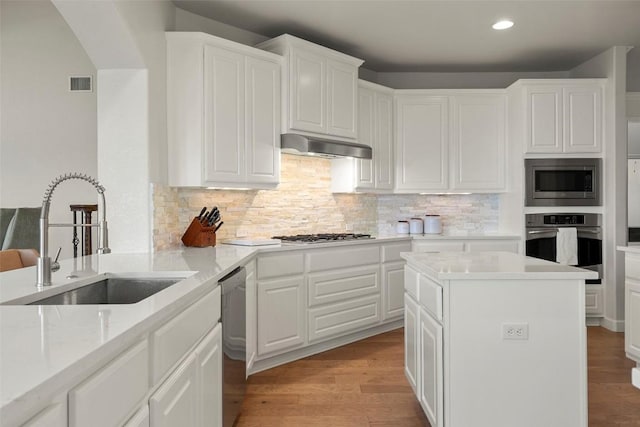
(234, 344)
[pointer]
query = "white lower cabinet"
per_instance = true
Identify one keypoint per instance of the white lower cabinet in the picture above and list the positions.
(632, 309)
(313, 299)
(192, 395)
(281, 313)
(140, 419)
(431, 390)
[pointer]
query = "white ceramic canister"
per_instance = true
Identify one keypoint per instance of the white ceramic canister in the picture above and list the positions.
(402, 227)
(416, 226)
(432, 224)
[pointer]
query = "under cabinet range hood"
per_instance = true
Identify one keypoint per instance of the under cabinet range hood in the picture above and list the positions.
(311, 146)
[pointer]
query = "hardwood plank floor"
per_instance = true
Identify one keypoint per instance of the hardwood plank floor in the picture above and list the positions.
(363, 385)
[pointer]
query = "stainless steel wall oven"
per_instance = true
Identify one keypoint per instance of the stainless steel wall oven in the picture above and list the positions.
(542, 229)
(563, 182)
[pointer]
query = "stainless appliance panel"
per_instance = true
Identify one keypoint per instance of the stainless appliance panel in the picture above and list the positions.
(542, 229)
(563, 182)
(234, 344)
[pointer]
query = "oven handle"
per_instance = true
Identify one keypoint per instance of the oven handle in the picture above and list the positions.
(535, 234)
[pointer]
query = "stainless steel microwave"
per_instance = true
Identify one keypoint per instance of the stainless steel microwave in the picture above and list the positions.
(563, 182)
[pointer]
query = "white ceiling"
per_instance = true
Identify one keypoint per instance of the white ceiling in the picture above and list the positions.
(452, 35)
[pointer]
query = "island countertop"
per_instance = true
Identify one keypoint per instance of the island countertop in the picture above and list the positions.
(491, 265)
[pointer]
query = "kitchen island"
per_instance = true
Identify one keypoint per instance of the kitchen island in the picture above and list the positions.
(632, 308)
(496, 339)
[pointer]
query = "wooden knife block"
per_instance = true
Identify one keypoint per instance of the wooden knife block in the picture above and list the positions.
(197, 235)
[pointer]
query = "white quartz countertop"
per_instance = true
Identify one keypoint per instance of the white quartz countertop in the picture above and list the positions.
(465, 237)
(491, 265)
(42, 347)
(633, 249)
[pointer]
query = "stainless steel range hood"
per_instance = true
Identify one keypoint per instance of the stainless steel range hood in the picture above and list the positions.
(311, 146)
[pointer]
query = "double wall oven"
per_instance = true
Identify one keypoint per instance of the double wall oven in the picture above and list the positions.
(542, 231)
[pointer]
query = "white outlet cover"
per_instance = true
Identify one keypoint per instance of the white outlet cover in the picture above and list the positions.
(515, 331)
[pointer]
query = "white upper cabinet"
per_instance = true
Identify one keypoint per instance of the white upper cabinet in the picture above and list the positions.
(223, 113)
(319, 88)
(375, 129)
(450, 141)
(562, 116)
(478, 142)
(422, 142)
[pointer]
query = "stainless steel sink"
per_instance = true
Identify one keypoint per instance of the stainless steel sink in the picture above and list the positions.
(112, 290)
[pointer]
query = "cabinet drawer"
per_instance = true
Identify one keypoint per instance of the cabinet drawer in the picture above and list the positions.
(172, 340)
(440, 246)
(289, 264)
(338, 319)
(106, 398)
(411, 282)
(391, 252)
(343, 285)
(431, 296)
(343, 258)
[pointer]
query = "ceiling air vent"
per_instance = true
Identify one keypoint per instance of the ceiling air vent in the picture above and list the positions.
(80, 84)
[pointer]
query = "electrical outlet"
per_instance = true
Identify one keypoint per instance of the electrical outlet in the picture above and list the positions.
(348, 227)
(240, 232)
(515, 331)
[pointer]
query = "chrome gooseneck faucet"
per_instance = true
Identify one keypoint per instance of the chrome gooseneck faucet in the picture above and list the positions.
(44, 266)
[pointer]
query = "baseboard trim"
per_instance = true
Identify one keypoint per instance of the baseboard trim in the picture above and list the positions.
(594, 321)
(613, 325)
(635, 377)
(281, 359)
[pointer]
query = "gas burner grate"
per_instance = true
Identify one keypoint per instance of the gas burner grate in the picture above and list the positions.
(322, 237)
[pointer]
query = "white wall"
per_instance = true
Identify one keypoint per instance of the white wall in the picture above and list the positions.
(633, 70)
(187, 21)
(612, 65)
(45, 129)
(485, 80)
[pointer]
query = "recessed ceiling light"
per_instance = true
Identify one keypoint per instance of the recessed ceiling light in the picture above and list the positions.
(502, 25)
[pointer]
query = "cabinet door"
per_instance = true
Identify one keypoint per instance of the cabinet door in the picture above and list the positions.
(431, 373)
(422, 143)
(175, 402)
(209, 379)
(307, 99)
(224, 139)
(632, 317)
(366, 135)
(582, 119)
(383, 148)
(281, 312)
(478, 142)
(392, 290)
(262, 124)
(252, 310)
(342, 99)
(411, 342)
(543, 117)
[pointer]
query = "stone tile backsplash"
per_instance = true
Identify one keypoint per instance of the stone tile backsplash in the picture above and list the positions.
(460, 213)
(303, 203)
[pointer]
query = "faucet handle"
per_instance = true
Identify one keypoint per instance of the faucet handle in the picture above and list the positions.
(55, 265)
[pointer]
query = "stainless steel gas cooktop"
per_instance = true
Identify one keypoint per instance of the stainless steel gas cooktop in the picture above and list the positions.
(322, 238)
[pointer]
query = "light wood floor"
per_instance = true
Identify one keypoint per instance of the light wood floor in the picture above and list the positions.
(363, 384)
